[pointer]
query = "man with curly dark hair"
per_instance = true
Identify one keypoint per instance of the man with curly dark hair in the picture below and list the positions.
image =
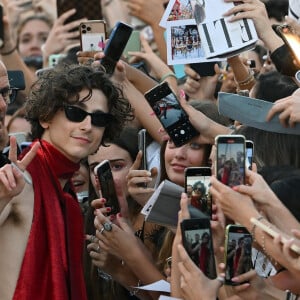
(72, 111)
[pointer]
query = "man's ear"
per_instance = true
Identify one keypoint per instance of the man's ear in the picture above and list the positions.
(44, 124)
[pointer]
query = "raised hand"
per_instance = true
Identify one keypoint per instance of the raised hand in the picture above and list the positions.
(12, 179)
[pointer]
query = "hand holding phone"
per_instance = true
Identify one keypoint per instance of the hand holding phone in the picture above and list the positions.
(107, 186)
(92, 35)
(238, 252)
(197, 180)
(173, 118)
(114, 48)
(230, 166)
(197, 240)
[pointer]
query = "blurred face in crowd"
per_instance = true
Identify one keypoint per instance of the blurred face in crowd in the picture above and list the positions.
(32, 36)
(80, 179)
(120, 162)
(177, 159)
(4, 86)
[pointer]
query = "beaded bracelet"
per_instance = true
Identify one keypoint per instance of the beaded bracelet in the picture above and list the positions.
(8, 52)
(164, 77)
(247, 80)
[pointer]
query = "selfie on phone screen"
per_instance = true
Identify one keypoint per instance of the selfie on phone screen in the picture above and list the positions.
(231, 160)
(197, 182)
(197, 240)
(238, 252)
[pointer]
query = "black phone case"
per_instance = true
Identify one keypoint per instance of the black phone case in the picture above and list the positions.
(90, 9)
(199, 196)
(238, 260)
(204, 69)
(114, 48)
(180, 131)
(191, 227)
(108, 190)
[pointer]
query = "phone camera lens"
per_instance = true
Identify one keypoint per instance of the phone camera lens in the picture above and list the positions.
(88, 28)
(83, 26)
(83, 31)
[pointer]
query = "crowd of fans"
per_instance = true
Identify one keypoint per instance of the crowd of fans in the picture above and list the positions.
(58, 237)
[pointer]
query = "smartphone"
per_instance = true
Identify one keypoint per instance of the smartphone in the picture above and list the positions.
(133, 44)
(1, 27)
(204, 69)
(16, 79)
(107, 186)
(238, 252)
(273, 233)
(197, 241)
(173, 118)
(142, 147)
(290, 38)
(249, 154)
(92, 35)
(54, 59)
(90, 9)
(197, 180)
(230, 165)
(114, 48)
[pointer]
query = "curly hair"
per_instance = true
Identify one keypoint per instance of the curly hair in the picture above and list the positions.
(61, 86)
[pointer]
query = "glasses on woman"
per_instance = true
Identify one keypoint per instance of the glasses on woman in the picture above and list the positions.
(76, 114)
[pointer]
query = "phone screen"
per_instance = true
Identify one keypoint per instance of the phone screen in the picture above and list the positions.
(238, 255)
(249, 154)
(107, 186)
(171, 115)
(231, 159)
(197, 182)
(197, 240)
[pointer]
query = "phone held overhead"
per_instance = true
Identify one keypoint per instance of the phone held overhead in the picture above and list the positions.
(115, 46)
(171, 115)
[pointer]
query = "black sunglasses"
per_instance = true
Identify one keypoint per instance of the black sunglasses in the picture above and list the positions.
(76, 114)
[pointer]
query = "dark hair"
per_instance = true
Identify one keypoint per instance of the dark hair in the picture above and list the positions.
(128, 141)
(200, 185)
(277, 9)
(60, 86)
(271, 86)
(271, 148)
(285, 182)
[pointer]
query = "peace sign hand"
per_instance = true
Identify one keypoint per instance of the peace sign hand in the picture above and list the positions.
(12, 176)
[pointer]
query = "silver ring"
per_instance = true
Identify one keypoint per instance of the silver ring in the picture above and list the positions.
(98, 249)
(92, 238)
(101, 230)
(107, 226)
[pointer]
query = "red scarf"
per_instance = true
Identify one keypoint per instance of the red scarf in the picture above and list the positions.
(52, 265)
